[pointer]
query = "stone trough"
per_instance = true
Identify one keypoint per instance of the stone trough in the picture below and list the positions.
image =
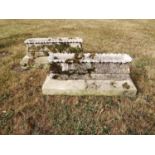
(89, 74)
(38, 49)
(73, 72)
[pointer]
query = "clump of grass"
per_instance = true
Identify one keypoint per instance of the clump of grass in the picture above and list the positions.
(4, 53)
(4, 96)
(5, 117)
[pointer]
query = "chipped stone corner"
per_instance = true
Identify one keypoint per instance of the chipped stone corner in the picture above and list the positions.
(25, 62)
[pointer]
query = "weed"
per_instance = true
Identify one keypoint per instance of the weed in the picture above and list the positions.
(5, 117)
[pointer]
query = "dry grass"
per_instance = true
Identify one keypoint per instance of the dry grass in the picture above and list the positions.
(23, 108)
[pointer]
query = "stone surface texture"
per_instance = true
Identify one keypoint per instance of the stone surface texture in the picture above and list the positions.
(89, 74)
(75, 63)
(90, 57)
(89, 87)
(53, 40)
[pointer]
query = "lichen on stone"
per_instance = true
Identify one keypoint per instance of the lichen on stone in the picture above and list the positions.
(126, 85)
(113, 83)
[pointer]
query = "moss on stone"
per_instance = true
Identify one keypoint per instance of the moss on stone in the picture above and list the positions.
(46, 53)
(125, 85)
(35, 48)
(75, 50)
(78, 57)
(113, 83)
(56, 67)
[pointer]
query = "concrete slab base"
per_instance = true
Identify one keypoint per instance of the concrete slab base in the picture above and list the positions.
(89, 87)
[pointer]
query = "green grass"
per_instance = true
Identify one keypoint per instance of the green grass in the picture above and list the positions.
(23, 108)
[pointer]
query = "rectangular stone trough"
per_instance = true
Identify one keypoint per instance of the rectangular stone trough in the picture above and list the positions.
(38, 49)
(89, 74)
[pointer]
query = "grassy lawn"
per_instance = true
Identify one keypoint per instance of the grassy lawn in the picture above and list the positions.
(23, 108)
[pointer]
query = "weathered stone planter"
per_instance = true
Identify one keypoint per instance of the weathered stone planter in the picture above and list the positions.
(38, 49)
(73, 72)
(89, 74)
